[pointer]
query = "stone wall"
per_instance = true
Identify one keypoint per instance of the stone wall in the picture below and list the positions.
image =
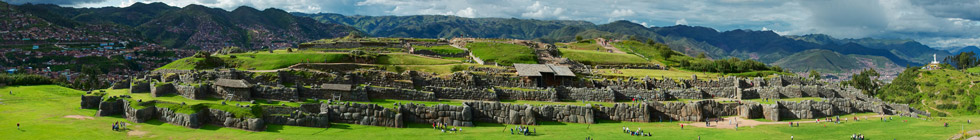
(721, 92)
(227, 119)
(170, 116)
(627, 94)
(90, 102)
(158, 89)
(196, 92)
(139, 86)
(276, 93)
(109, 108)
(534, 94)
(376, 92)
(321, 93)
(565, 113)
(750, 110)
(625, 112)
(692, 111)
(495, 112)
(586, 94)
(121, 84)
(444, 114)
(363, 114)
(233, 94)
(688, 93)
(139, 115)
(463, 93)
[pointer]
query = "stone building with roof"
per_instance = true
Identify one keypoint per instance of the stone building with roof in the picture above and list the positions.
(233, 89)
(545, 75)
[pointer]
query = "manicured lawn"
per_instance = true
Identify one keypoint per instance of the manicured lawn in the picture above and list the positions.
(409, 59)
(590, 45)
(603, 58)
(265, 60)
(440, 49)
(640, 73)
(503, 53)
(42, 111)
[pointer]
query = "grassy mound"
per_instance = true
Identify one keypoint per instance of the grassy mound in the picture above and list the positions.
(602, 58)
(441, 49)
(503, 53)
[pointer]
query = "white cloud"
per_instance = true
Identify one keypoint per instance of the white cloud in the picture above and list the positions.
(622, 13)
(681, 22)
(539, 11)
(468, 12)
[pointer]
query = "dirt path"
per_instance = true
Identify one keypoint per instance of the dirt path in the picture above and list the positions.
(605, 44)
(80, 117)
(934, 108)
(724, 124)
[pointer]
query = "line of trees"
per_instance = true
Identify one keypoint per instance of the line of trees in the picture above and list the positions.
(963, 60)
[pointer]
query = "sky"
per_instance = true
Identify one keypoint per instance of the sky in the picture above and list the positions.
(937, 23)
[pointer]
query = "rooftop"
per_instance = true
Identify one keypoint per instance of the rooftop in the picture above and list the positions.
(537, 69)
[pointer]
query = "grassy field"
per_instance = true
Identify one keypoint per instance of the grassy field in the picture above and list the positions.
(282, 59)
(503, 53)
(409, 59)
(585, 45)
(265, 60)
(640, 73)
(52, 112)
(603, 58)
(440, 49)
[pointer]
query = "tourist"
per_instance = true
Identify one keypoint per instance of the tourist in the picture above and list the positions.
(682, 126)
(511, 131)
(790, 137)
(624, 129)
(18, 126)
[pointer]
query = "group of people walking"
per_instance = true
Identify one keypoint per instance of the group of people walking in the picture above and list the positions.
(523, 130)
(638, 132)
(443, 127)
(118, 126)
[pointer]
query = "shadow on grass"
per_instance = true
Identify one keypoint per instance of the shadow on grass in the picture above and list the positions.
(482, 124)
(607, 121)
(551, 123)
(273, 128)
(210, 127)
(340, 126)
(154, 122)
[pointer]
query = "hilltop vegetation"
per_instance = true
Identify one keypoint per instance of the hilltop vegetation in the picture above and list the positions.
(503, 53)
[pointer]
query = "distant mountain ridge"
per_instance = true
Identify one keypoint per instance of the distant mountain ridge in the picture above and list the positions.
(197, 26)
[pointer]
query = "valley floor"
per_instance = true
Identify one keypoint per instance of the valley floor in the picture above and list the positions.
(52, 112)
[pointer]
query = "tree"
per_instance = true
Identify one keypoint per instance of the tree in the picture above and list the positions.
(964, 60)
(702, 55)
(866, 81)
(578, 38)
(815, 75)
(903, 88)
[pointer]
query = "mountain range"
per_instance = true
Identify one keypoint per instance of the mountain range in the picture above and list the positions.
(196, 26)
(794, 51)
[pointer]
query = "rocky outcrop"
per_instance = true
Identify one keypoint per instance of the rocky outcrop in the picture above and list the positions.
(495, 112)
(363, 114)
(442, 114)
